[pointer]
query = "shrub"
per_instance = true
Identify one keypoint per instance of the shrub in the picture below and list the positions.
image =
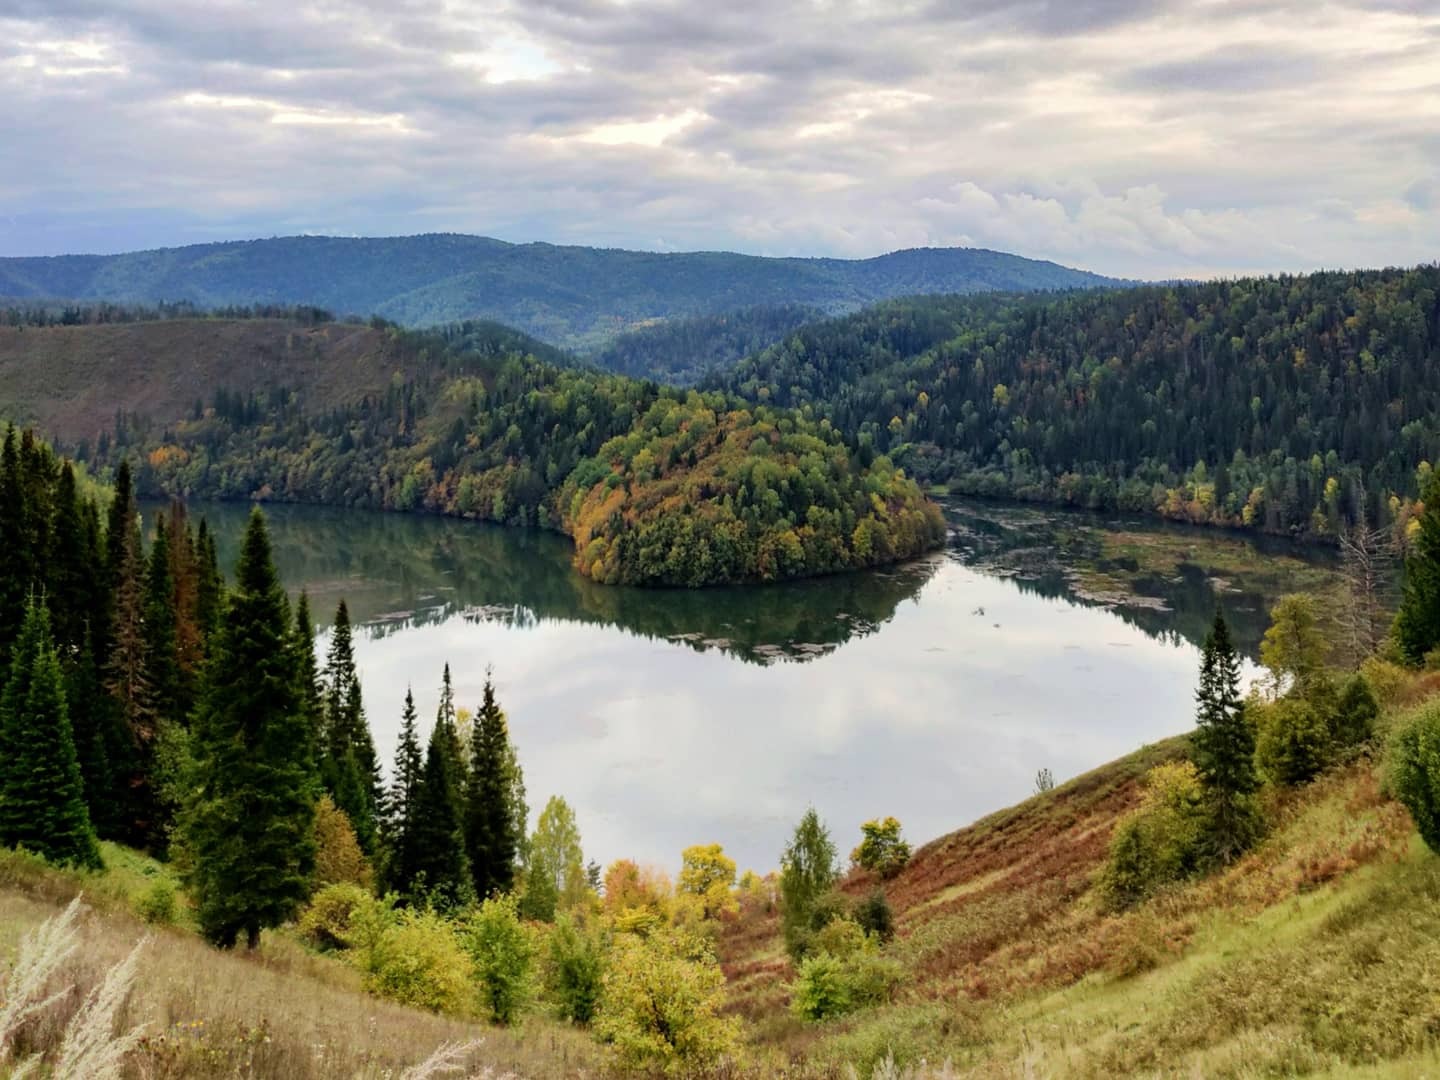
(830, 985)
(881, 849)
(574, 970)
(502, 954)
(156, 905)
(1161, 842)
(419, 961)
(326, 921)
(841, 938)
(1387, 681)
(1355, 714)
(1293, 744)
(1414, 770)
(660, 1005)
(875, 917)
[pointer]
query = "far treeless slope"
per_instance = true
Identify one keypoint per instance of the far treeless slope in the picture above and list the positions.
(68, 381)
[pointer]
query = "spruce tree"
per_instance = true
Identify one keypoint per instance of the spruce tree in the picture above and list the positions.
(42, 796)
(1417, 624)
(95, 733)
(16, 577)
(209, 585)
(162, 662)
(442, 871)
(127, 683)
(249, 826)
(401, 803)
(72, 581)
(492, 836)
(1223, 747)
(350, 768)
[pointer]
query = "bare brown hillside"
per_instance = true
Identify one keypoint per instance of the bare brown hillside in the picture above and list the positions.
(68, 381)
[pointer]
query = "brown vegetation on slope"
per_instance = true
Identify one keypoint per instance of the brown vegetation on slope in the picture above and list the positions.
(68, 381)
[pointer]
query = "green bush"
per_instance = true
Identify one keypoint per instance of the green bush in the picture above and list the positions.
(503, 954)
(875, 917)
(1161, 842)
(419, 961)
(1355, 714)
(1293, 742)
(574, 970)
(1414, 769)
(326, 921)
(660, 1006)
(830, 985)
(156, 905)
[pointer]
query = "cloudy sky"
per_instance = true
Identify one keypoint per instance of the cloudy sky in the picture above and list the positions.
(1135, 137)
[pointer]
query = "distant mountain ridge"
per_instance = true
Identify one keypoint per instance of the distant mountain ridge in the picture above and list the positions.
(572, 296)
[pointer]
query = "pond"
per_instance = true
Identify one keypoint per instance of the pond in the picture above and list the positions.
(932, 691)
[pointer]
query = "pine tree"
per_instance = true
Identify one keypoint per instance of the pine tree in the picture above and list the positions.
(127, 683)
(16, 577)
(162, 662)
(400, 862)
(1223, 747)
(209, 585)
(249, 827)
(492, 836)
(350, 768)
(441, 868)
(1417, 625)
(42, 796)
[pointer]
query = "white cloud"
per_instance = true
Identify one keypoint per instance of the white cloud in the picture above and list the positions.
(1137, 137)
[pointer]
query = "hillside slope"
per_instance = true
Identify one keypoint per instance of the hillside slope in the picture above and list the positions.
(568, 295)
(69, 381)
(1316, 952)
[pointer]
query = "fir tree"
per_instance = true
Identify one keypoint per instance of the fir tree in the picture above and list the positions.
(350, 768)
(42, 797)
(162, 663)
(72, 584)
(400, 863)
(209, 585)
(1223, 747)
(441, 868)
(185, 583)
(95, 735)
(492, 836)
(127, 683)
(1417, 624)
(249, 827)
(15, 557)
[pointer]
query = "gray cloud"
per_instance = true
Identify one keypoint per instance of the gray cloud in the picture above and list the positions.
(1138, 137)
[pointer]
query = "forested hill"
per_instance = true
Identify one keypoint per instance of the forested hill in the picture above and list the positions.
(656, 486)
(1289, 404)
(566, 295)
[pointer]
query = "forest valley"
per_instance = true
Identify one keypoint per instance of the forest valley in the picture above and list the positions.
(1296, 406)
(148, 702)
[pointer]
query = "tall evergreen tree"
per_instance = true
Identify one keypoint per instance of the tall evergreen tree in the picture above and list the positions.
(209, 586)
(185, 584)
(42, 796)
(1223, 747)
(311, 693)
(72, 571)
(441, 868)
(162, 662)
(249, 828)
(350, 768)
(401, 864)
(127, 683)
(1417, 624)
(492, 836)
(16, 577)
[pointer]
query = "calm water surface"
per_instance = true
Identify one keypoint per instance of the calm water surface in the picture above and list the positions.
(932, 691)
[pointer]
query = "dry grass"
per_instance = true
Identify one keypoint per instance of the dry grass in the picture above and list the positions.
(282, 1013)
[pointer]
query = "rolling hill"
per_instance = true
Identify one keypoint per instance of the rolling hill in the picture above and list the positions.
(567, 295)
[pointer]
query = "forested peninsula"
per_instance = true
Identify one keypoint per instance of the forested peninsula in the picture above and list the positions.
(657, 486)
